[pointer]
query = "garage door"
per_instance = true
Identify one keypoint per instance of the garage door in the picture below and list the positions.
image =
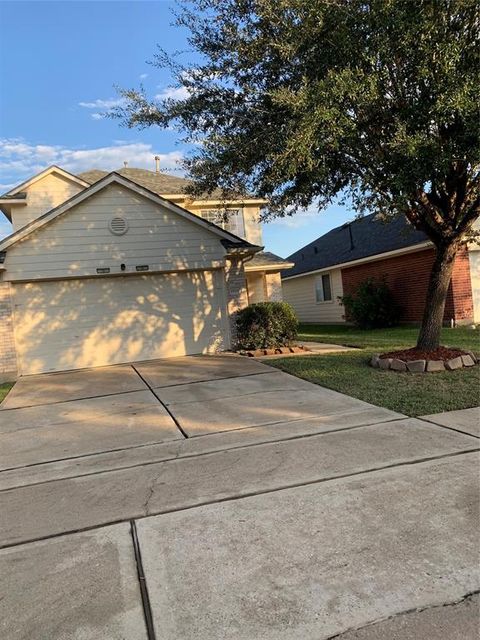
(72, 324)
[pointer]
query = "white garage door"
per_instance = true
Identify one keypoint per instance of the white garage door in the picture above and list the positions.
(72, 324)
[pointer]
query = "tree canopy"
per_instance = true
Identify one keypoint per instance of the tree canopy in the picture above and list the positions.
(302, 100)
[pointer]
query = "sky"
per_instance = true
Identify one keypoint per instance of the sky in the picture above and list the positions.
(59, 65)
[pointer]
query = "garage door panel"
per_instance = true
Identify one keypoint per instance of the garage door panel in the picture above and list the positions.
(93, 322)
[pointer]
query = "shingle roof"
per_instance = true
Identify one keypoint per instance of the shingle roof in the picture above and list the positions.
(266, 259)
(364, 237)
(160, 183)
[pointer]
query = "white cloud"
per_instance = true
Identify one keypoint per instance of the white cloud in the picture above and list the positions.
(300, 219)
(176, 93)
(102, 104)
(96, 116)
(142, 76)
(19, 159)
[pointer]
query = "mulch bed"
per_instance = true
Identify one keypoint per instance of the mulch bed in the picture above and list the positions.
(442, 353)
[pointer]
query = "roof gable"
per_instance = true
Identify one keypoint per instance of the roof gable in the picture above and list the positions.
(113, 178)
(39, 176)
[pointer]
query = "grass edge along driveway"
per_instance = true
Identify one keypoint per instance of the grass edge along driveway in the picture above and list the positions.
(408, 393)
(4, 389)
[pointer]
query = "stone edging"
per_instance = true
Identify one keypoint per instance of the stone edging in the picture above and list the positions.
(424, 366)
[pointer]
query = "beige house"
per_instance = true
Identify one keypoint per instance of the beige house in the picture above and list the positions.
(104, 268)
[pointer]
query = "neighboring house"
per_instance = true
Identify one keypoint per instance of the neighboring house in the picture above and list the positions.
(105, 268)
(336, 263)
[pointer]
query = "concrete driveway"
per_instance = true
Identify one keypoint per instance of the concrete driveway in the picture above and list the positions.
(214, 497)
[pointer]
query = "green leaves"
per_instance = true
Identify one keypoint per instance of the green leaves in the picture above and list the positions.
(297, 100)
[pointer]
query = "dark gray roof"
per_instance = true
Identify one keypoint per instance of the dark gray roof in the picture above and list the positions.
(266, 259)
(364, 237)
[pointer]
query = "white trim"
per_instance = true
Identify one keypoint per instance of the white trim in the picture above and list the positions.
(13, 201)
(279, 266)
(315, 280)
(98, 186)
(52, 169)
(374, 258)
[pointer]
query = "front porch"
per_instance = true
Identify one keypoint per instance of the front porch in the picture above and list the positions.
(263, 277)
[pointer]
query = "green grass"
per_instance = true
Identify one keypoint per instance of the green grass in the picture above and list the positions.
(385, 339)
(4, 389)
(407, 393)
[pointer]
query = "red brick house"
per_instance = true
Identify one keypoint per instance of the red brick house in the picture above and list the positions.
(338, 261)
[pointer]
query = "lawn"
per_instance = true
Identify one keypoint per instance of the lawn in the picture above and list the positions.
(407, 393)
(4, 389)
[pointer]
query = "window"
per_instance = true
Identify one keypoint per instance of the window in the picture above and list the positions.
(231, 220)
(323, 288)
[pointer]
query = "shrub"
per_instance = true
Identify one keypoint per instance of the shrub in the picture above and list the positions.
(266, 325)
(372, 306)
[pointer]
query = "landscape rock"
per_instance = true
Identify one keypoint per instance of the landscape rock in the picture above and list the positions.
(468, 361)
(472, 355)
(454, 363)
(375, 361)
(384, 363)
(435, 365)
(416, 366)
(398, 365)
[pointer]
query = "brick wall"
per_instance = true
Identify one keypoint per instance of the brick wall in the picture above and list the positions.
(407, 276)
(8, 358)
(237, 295)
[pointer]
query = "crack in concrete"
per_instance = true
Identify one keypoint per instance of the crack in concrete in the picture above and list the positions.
(464, 598)
(151, 492)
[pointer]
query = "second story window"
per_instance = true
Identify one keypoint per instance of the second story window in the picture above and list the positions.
(233, 220)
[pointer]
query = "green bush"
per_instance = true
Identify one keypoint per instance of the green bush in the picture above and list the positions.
(372, 306)
(266, 325)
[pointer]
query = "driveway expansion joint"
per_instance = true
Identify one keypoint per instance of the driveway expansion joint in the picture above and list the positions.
(177, 455)
(51, 404)
(147, 609)
(249, 494)
(179, 427)
(444, 426)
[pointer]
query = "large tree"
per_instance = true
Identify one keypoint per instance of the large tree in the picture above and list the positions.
(302, 100)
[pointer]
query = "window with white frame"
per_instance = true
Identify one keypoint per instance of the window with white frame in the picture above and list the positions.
(323, 288)
(230, 220)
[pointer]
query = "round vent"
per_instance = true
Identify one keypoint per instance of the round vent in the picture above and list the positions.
(118, 226)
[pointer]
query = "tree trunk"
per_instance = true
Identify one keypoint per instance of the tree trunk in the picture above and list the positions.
(440, 276)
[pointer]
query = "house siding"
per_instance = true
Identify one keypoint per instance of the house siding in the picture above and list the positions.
(300, 293)
(408, 275)
(474, 259)
(43, 195)
(78, 242)
(237, 294)
(273, 285)
(8, 358)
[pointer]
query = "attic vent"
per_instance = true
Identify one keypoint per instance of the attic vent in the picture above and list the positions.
(118, 226)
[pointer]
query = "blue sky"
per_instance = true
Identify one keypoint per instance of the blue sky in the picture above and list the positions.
(59, 62)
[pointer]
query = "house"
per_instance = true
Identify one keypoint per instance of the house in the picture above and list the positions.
(104, 268)
(334, 265)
